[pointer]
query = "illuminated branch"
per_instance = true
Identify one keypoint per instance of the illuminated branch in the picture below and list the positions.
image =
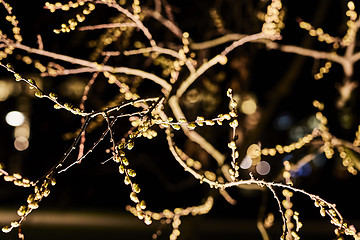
(93, 66)
(217, 41)
(131, 16)
(245, 39)
(203, 68)
(326, 208)
(167, 23)
(221, 58)
(160, 50)
(345, 62)
(193, 135)
(181, 66)
(107, 25)
(175, 215)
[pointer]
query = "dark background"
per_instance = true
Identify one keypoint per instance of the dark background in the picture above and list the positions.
(93, 188)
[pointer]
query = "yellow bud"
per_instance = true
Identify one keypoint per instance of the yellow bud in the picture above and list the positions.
(121, 169)
(131, 173)
(127, 180)
(222, 60)
(176, 126)
(142, 205)
(136, 188)
(33, 205)
(22, 210)
(39, 94)
(147, 220)
(125, 161)
(6, 229)
(130, 145)
(15, 224)
(232, 145)
(133, 197)
(191, 126)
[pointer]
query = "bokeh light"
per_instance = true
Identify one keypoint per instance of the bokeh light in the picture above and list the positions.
(5, 90)
(15, 118)
(246, 163)
(21, 143)
(22, 131)
(263, 168)
(248, 106)
(283, 122)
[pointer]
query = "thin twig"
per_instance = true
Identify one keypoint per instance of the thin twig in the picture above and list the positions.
(107, 25)
(93, 66)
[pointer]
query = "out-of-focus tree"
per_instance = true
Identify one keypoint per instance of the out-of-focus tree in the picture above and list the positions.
(225, 90)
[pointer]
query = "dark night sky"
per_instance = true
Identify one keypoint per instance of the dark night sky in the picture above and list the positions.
(92, 186)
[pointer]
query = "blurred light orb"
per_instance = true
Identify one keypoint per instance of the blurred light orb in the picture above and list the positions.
(297, 132)
(21, 143)
(5, 90)
(15, 118)
(246, 163)
(283, 122)
(263, 168)
(319, 160)
(248, 106)
(22, 131)
(313, 122)
(303, 171)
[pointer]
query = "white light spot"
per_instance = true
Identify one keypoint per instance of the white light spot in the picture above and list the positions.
(15, 118)
(263, 168)
(246, 162)
(21, 143)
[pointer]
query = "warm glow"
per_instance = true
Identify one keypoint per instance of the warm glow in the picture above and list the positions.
(5, 90)
(21, 143)
(15, 118)
(248, 106)
(263, 168)
(246, 163)
(22, 131)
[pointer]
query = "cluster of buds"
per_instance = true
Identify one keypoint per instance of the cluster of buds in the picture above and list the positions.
(351, 24)
(323, 70)
(279, 149)
(40, 94)
(273, 19)
(173, 216)
(234, 171)
(318, 32)
(345, 155)
(17, 180)
(143, 127)
(136, 8)
(129, 175)
(64, 7)
(16, 30)
(73, 22)
(67, 106)
(336, 219)
(40, 191)
(8, 50)
(357, 137)
(292, 217)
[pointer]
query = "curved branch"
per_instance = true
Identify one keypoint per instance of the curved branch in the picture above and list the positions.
(93, 66)
(193, 135)
(131, 16)
(217, 41)
(184, 86)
